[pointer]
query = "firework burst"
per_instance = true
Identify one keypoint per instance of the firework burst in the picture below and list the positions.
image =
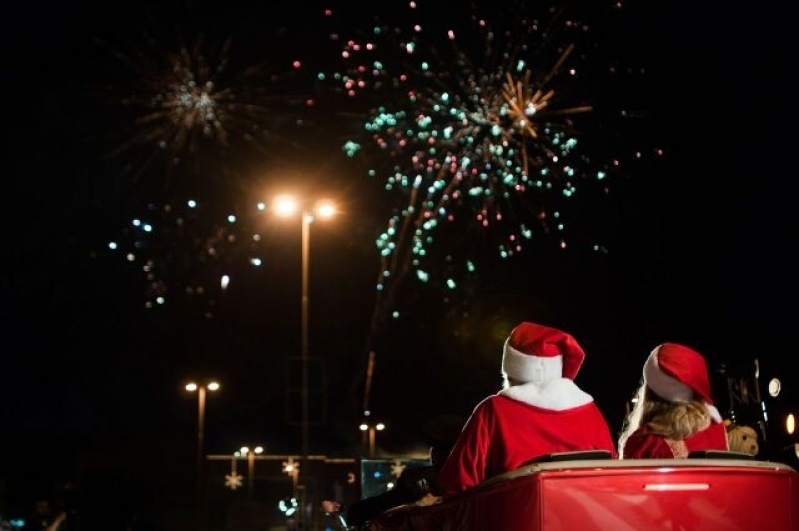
(186, 250)
(196, 110)
(198, 113)
(476, 124)
(190, 253)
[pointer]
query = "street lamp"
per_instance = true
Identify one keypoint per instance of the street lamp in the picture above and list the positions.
(291, 468)
(369, 431)
(287, 206)
(200, 389)
(250, 454)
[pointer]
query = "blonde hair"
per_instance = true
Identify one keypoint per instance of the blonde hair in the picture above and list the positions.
(671, 420)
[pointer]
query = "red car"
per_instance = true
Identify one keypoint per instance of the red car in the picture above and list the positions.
(714, 492)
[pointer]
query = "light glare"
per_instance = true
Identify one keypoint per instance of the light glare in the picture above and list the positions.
(325, 209)
(285, 205)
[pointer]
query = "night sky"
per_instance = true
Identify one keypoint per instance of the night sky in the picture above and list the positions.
(699, 239)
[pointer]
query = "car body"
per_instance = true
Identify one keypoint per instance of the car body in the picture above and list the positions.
(731, 492)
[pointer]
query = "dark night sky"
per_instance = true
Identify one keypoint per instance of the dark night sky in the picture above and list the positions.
(701, 254)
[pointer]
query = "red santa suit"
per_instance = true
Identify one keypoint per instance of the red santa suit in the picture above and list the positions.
(643, 444)
(676, 373)
(546, 413)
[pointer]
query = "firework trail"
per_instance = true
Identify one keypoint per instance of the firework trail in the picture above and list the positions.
(475, 122)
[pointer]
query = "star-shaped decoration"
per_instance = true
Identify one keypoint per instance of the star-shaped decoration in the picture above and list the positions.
(233, 480)
(397, 468)
(291, 467)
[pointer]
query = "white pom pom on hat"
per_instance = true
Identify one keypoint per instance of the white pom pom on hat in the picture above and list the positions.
(677, 373)
(529, 343)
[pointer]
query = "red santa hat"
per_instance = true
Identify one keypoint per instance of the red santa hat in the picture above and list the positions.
(677, 373)
(529, 344)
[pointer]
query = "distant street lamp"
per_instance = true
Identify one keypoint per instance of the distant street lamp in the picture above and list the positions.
(291, 468)
(200, 389)
(369, 432)
(286, 206)
(250, 454)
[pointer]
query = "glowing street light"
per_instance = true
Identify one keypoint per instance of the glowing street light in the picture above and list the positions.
(250, 454)
(292, 469)
(369, 432)
(287, 206)
(200, 389)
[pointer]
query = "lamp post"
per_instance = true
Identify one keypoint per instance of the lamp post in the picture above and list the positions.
(369, 432)
(287, 206)
(200, 389)
(291, 468)
(250, 454)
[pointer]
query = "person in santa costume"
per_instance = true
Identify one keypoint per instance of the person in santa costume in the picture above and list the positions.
(673, 414)
(540, 410)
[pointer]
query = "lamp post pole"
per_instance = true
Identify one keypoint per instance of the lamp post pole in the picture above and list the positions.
(370, 434)
(200, 389)
(307, 218)
(250, 474)
(250, 453)
(302, 488)
(285, 206)
(200, 437)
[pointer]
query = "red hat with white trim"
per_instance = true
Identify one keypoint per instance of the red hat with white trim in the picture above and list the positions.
(530, 344)
(677, 373)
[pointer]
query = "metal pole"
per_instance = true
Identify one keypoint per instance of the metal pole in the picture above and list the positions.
(371, 441)
(250, 472)
(200, 435)
(306, 233)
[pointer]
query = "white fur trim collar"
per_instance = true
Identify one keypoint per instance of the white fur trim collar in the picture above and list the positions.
(558, 395)
(714, 413)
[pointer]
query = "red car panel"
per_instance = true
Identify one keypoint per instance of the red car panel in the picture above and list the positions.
(637, 494)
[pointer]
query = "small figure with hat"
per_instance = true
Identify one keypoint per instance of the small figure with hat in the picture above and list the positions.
(673, 413)
(539, 411)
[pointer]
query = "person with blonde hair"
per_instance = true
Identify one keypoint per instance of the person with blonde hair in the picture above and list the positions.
(673, 413)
